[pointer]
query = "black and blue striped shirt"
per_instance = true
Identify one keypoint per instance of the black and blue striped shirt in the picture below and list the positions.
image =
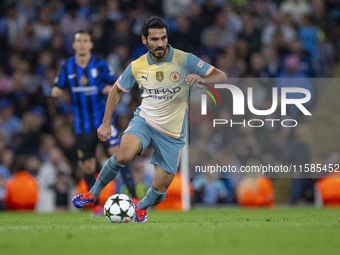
(86, 85)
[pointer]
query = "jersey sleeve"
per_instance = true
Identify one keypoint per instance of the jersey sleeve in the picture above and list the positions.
(127, 80)
(198, 66)
(61, 79)
(109, 74)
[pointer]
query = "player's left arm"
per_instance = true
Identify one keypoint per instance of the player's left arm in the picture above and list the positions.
(214, 77)
(202, 72)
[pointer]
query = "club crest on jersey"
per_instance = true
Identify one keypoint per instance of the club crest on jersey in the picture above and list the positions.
(174, 76)
(159, 76)
(84, 81)
(94, 72)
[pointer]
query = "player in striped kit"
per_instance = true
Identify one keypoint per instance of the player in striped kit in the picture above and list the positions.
(89, 79)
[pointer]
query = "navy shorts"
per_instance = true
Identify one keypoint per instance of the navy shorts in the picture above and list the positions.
(86, 143)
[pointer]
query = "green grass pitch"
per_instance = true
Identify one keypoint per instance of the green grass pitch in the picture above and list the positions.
(199, 231)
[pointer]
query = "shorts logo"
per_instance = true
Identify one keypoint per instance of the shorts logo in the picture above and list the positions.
(174, 76)
(80, 154)
(159, 76)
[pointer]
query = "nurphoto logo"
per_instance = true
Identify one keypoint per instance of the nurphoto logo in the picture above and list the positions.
(239, 101)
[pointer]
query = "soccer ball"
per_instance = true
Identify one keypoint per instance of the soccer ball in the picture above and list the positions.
(119, 208)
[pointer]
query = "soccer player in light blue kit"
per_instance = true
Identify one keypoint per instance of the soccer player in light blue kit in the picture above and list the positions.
(164, 76)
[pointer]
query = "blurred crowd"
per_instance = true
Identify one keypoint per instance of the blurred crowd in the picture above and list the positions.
(244, 38)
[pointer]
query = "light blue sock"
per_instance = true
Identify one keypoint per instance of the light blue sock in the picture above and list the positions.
(107, 174)
(152, 197)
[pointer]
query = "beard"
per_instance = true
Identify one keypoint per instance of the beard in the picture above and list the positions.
(153, 51)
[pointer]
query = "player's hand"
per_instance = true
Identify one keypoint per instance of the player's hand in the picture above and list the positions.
(104, 132)
(56, 92)
(193, 79)
(106, 89)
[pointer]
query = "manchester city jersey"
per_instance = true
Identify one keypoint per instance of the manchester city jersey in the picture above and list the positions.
(86, 85)
(164, 90)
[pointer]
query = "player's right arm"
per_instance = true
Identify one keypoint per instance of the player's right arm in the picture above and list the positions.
(60, 82)
(104, 131)
(57, 92)
(124, 84)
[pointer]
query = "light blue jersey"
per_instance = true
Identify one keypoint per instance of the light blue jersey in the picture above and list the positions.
(161, 118)
(165, 92)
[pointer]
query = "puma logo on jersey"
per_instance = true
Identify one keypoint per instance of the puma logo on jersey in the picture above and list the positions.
(145, 77)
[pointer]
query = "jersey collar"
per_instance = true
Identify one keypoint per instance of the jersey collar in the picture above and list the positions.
(167, 59)
(90, 62)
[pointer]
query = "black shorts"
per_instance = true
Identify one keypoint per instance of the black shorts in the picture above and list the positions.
(86, 143)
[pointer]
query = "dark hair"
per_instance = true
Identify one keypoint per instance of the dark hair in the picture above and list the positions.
(153, 22)
(20, 163)
(81, 32)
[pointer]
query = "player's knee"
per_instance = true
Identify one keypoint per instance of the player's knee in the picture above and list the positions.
(123, 158)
